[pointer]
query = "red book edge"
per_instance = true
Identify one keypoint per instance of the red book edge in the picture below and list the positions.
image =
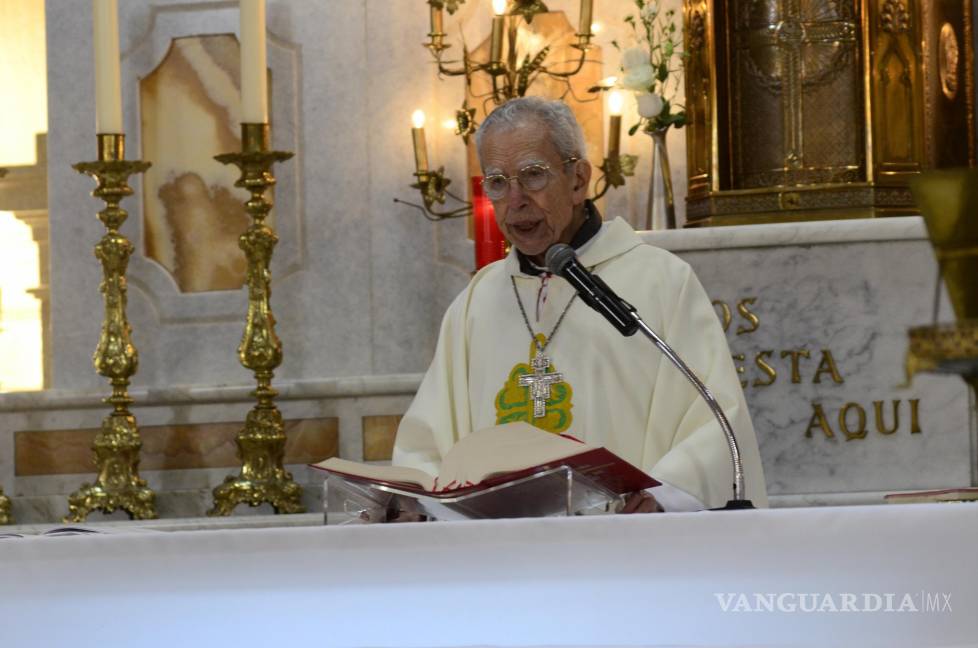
(930, 493)
(598, 464)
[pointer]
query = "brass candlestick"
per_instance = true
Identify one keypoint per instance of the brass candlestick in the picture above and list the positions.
(117, 444)
(261, 444)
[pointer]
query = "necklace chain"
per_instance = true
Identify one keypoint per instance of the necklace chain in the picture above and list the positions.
(526, 320)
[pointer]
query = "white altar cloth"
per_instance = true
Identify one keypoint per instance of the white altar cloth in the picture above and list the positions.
(650, 580)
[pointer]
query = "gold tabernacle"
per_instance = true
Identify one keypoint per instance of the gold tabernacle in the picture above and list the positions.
(117, 444)
(813, 109)
(949, 203)
(261, 443)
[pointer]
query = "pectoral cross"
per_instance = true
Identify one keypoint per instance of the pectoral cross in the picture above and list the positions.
(539, 383)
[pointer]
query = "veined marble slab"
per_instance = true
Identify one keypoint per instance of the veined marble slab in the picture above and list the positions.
(816, 316)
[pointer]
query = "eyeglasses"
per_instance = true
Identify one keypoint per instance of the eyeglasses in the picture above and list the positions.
(533, 177)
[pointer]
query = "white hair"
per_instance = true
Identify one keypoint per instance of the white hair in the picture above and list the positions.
(565, 133)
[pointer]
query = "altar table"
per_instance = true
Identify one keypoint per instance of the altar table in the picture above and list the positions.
(644, 580)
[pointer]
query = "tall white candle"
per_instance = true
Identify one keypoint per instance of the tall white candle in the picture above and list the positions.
(108, 88)
(254, 79)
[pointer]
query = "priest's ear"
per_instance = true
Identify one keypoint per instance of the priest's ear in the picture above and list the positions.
(582, 180)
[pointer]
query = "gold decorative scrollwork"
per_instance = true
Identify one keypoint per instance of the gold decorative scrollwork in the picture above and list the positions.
(895, 17)
(261, 443)
(697, 31)
(117, 444)
(949, 61)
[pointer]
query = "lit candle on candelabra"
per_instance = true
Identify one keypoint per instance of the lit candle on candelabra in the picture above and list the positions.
(420, 148)
(498, 24)
(108, 88)
(586, 11)
(254, 75)
(615, 104)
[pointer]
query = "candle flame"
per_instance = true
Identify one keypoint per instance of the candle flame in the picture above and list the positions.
(450, 124)
(616, 101)
(596, 28)
(499, 7)
(417, 118)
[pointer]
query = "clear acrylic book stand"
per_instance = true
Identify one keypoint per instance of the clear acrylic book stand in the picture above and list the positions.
(558, 491)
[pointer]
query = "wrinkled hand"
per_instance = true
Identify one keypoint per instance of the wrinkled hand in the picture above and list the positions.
(641, 502)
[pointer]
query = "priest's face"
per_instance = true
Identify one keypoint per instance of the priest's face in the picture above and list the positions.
(533, 220)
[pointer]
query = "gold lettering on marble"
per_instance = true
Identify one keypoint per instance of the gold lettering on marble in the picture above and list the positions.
(795, 354)
(860, 432)
(881, 423)
(915, 416)
(827, 365)
(725, 315)
(819, 419)
(767, 369)
(747, 314)
(740, 357)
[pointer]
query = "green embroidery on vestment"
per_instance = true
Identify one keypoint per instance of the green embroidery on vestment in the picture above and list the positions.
(513, 402)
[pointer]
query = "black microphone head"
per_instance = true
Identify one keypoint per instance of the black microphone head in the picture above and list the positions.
(559, 256)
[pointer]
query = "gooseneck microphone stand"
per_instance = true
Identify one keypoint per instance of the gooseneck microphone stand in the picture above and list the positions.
(562, 260)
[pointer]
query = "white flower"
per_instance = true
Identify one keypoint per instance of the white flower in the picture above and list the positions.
(639, 78)
(650, 105)
(634, 57)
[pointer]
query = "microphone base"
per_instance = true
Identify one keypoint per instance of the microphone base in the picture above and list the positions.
(735, 505)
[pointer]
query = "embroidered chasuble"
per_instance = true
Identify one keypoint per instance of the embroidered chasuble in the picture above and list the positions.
(608, 390)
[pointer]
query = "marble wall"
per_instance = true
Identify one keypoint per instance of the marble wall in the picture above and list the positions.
(360, 283)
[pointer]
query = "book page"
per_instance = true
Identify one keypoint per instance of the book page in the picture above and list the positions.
(502, 449)
(392, 474)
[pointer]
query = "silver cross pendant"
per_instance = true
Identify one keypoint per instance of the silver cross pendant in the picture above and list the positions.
(539, 383)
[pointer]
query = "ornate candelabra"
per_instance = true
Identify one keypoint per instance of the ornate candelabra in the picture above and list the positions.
(261, 443)
(117, 443)
(510, 77)
(5, 516)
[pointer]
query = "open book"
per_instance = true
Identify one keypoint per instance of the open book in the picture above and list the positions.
(498, 455)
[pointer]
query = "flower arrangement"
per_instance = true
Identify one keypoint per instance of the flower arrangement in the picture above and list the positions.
(651, 68)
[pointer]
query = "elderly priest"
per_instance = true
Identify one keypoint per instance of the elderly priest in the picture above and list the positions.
(515, 318)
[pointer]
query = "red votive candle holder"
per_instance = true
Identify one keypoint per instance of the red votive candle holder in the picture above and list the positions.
(490, 244)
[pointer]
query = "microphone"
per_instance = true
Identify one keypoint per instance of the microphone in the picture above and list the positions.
(562, 261)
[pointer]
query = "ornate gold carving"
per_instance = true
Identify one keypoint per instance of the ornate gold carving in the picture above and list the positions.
(793, 47)
(697, 31)
(261, 444)
(5, 516)
(949, 61)
(116, 447)
(895, 18)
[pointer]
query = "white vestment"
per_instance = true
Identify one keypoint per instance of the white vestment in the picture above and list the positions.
(625, 395)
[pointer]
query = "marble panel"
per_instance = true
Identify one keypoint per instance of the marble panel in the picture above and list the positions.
(816, 316)
(193, 214)
(378, 437)
(169, 447)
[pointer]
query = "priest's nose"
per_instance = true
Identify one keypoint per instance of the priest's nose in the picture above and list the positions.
(516, 198)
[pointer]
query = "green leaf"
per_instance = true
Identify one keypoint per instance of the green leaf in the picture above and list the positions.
(634, 129)
(663, 72)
